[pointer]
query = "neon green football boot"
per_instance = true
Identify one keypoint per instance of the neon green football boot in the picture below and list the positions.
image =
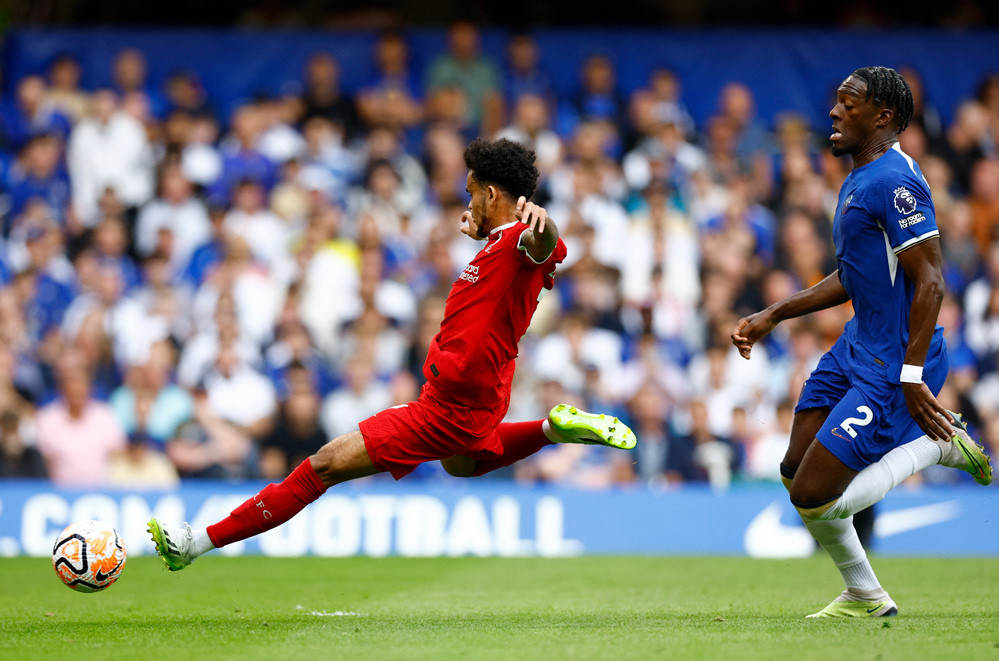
(962, 452)
(847, 605)
(173, 544)
(576, 426)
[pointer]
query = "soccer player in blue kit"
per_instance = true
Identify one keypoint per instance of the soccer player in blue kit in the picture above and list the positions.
(868, 417)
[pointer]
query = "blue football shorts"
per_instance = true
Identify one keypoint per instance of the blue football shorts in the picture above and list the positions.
(868, 416)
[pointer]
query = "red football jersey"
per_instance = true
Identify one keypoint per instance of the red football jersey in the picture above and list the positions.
(471, 360)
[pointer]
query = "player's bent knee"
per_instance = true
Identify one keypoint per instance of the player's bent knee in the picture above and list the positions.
(325, 464)
(818, 512)
(344, 458)
(787, 475)
(459, 466)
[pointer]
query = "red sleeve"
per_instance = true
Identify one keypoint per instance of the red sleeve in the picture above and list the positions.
(558, 254)
(556, 257)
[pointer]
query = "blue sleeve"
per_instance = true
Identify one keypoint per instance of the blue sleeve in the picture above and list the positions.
(902, 204)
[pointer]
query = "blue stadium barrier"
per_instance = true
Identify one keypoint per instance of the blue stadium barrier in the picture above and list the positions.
(503, 519)
(788, 69)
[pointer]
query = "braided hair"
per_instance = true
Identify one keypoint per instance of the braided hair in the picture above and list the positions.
(887, 86)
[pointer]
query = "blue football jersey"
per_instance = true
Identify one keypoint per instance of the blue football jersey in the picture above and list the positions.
(884, 208)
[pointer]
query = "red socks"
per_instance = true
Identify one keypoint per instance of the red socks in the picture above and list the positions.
(275, 504)
(520, 439)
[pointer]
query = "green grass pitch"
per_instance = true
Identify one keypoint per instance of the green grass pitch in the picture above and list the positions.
(525, 608)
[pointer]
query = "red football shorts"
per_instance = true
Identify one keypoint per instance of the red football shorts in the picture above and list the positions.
(401, 438)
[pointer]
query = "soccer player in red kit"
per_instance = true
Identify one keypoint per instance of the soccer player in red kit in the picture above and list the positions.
(457, 418)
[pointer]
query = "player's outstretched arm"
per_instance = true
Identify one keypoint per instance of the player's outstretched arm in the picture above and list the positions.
(922, 265)
(826, 294)
(542, 235)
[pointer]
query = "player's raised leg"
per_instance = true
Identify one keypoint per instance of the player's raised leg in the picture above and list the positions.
(565, 424)
(342, 459)
(868, 487)
(874, 482)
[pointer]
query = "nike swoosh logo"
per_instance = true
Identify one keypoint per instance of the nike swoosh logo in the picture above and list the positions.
(871, 610)
(835, 432)
(979, 471)
(101, 576)
(899, 521)
(767, 536)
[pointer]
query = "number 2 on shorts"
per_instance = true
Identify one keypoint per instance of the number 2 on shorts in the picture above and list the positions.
(848, 424)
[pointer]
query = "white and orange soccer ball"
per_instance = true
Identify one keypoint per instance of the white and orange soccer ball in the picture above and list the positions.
(88, 556)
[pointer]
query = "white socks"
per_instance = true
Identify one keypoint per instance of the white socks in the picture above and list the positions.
(833, 529)
(871, 484)
(553, 435)
(839, 539)
(200, 542)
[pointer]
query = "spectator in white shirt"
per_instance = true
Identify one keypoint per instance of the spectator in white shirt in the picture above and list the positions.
(362, 396)
(175, 223)
(981, 305)
(244, 285)
(239, 394)
(531, 126)
(264, 232)
(109, 150)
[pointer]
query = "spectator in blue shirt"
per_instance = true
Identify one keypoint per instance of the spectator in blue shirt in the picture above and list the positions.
(241, 160)
(392, 96)
(30, 115)
(130, 75)
(110, 241)
(524, 74)
(737, 104)
(39, 175)
(185, 92)
(208, 255)
(293, 356)
(598, 98)
(5, 273)
(46, 303)
(743, 215)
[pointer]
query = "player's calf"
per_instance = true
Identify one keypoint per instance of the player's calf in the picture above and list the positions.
(342, 459)
(459, 466)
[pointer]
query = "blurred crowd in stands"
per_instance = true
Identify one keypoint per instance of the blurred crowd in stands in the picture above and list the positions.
(187, 295)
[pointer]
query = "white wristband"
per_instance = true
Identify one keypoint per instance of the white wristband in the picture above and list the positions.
(911, 374)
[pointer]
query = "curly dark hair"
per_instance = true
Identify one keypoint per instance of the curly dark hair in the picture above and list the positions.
(887, 86)
(503, 163)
